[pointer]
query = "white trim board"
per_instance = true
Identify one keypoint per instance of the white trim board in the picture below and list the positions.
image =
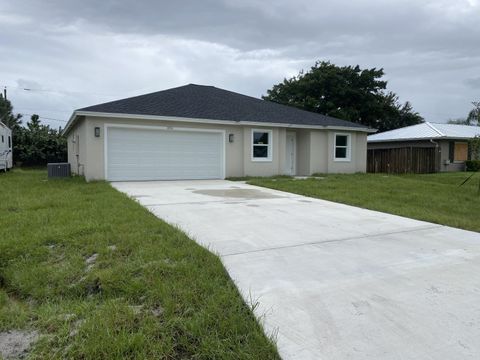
(207, 121)
(348, 148)
(421, 139)
(269, 146)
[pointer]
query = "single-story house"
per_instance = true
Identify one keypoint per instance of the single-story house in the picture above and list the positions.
(422, 148)
(203, 132)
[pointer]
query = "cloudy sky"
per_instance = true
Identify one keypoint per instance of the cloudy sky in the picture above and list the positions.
(71, 54)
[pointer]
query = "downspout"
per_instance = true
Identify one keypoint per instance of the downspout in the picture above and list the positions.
(437, 161)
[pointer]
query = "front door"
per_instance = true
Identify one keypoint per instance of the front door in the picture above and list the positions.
(290, 154)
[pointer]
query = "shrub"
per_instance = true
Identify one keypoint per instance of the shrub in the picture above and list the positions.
(38, 144)
(473, 165)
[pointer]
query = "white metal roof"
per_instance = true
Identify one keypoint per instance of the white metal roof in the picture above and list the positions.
(427, 131)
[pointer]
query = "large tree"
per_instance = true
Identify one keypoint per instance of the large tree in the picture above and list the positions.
(13, 121)
(473, 117)
(38, 144)
(348, 93)
(35, 144)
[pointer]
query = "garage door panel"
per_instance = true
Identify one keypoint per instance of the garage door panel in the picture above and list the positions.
(140, 154)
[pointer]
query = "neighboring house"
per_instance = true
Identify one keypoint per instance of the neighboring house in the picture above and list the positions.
(202, 132)
(6, 153)
(422, 148)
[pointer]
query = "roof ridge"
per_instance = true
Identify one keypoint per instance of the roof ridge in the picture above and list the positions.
(434, 128)
(275, 103)
(208, 102)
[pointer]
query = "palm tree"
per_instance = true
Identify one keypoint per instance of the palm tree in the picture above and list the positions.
(474, 115)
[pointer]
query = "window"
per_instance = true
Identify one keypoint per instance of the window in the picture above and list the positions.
(461, 152)
(342, 147)
(9, 141)
(261, 145)
(3, 140)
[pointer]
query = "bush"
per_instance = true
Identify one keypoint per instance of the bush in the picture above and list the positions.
(473, 165)
(34, 144)
(37, 144)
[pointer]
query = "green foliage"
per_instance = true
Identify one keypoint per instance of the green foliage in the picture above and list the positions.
(348, 93)
(7, 117)
(35, 144)
(473, 165)
(38, 144)
(150, 293)
(473, 117)
(474, 148)
(459, 121)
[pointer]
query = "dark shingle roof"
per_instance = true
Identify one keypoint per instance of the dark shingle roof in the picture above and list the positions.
(209, 102)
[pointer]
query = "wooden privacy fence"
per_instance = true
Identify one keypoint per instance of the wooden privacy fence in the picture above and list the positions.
(402, 160)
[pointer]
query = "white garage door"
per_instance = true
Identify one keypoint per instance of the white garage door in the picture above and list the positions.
(152, 154)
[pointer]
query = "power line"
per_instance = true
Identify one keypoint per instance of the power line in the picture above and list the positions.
(47, 118)
(55, 90)
(44, 118)
(43, 110)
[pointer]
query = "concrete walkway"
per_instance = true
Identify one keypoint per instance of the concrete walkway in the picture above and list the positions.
(334, 281)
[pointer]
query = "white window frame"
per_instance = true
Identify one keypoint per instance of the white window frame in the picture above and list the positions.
(268, 146)
(348, 147)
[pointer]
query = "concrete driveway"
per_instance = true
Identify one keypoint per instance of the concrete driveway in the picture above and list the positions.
(334, 281)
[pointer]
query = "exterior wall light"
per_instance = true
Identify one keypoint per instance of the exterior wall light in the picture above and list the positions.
(231, 137)
(97, 131)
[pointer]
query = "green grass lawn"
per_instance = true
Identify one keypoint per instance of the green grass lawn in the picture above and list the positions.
(431, 197)
(99, 277)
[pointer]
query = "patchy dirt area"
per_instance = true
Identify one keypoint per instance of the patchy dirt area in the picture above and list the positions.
(90, 262)
(14, 344)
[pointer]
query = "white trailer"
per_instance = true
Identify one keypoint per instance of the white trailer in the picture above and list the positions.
(6, 153)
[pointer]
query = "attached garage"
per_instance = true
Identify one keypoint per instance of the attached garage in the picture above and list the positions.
(202, 132)
(159, 153)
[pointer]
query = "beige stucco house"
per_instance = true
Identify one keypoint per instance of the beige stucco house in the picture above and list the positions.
(202, 132)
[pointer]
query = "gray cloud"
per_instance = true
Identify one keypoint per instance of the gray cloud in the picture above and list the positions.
(473, 82)
(84, 52)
